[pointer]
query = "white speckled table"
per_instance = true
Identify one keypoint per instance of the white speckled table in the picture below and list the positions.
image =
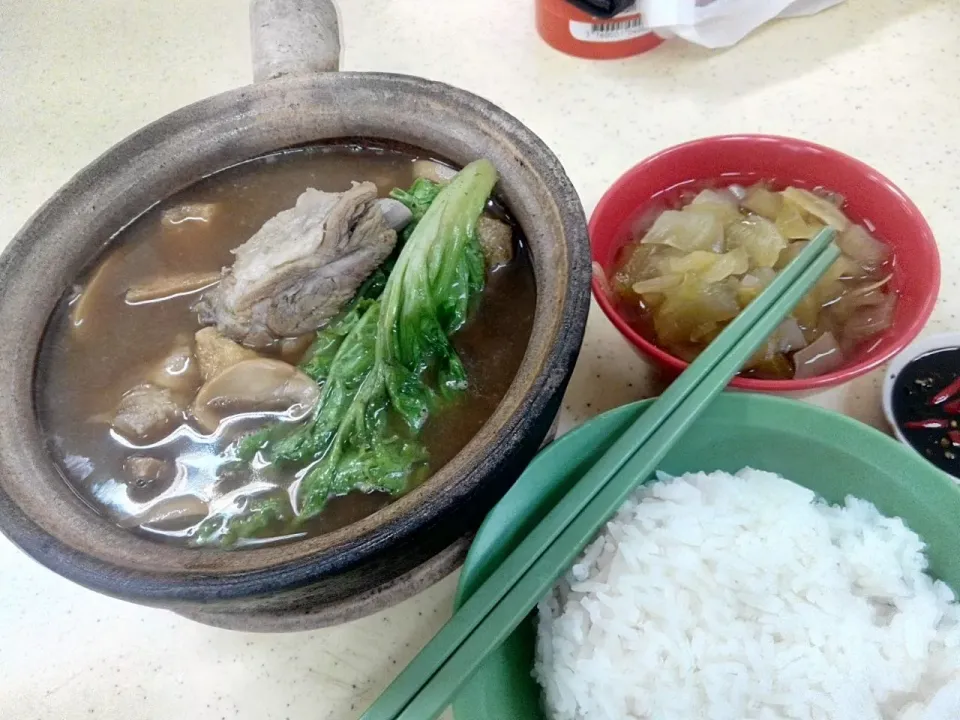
(875, 78)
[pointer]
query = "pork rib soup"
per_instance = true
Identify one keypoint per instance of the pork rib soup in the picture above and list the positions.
(287, 346)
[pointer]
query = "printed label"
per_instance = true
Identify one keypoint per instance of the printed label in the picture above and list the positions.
(616, 30)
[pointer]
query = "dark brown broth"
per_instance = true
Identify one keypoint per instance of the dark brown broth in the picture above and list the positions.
(82, 375)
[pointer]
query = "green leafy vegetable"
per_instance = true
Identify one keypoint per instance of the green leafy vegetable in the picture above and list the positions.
(428, 295)
(320, 355)
(381, 358)
(295, 446)
(227, 528)
(426, 299)
(417, 199)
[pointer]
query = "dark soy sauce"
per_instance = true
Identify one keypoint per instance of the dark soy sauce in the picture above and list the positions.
(931, 427)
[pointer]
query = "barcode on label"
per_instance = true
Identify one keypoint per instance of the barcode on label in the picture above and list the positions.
(610, 27)
(611, 31)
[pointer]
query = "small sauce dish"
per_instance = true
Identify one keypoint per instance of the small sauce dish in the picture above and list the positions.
(921, 399)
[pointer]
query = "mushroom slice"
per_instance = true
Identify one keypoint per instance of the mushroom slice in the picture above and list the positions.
(178, 371)
(86, 308)
(164, 288)
(146, 413)
(169, 513)
(259, 385)
(397, 215)
(215, 353)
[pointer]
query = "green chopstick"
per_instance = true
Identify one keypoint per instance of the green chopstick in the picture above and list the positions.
(428, 683)
(540, 577)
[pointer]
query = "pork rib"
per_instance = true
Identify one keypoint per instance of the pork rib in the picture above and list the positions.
(300, 268)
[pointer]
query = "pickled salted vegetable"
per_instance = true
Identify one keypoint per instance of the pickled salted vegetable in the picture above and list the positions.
(763, 202)
(759, 238)
(684, 276)
(687, 231)
(817, 207)
(856, 243)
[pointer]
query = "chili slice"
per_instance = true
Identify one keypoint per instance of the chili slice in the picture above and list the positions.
(952, 407)
(954, 436)
(948, 392)
(929, 424)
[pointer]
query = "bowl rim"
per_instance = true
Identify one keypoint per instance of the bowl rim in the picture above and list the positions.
(922, 346)
(179, 145)
(905, 336)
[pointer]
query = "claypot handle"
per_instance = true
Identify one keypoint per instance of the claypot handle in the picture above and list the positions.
(293, 37)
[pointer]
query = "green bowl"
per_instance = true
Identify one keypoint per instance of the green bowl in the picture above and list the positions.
(829, 453)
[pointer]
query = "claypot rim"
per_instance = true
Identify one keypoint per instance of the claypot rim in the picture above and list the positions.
(197, 577)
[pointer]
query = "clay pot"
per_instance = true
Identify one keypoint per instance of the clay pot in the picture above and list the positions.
(298, 99)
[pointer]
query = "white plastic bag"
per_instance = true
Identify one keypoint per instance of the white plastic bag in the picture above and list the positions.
(720, 23)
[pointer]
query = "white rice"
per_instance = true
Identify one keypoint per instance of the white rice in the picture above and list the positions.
(741, 597)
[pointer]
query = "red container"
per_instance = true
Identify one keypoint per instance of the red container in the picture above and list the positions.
(574, 32)
(870, 197)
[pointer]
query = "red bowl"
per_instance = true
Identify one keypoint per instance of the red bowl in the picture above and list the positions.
(870, 199)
